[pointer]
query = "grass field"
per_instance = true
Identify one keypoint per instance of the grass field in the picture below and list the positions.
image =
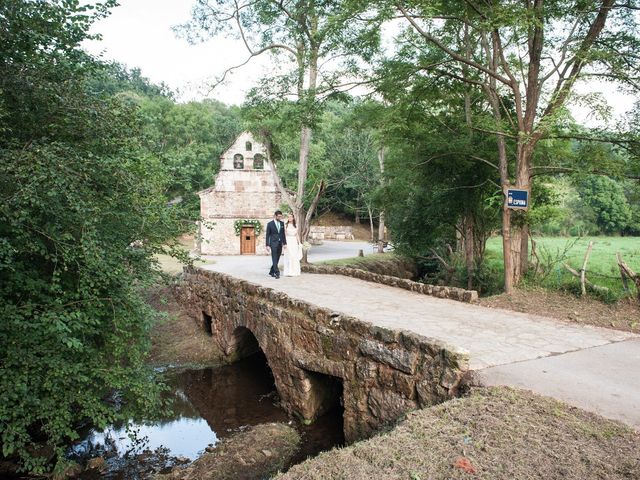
(602, 268)
(172, 266)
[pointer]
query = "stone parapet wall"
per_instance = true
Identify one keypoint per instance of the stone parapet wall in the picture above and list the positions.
(388, 264)
(451, 293)
(384, 373)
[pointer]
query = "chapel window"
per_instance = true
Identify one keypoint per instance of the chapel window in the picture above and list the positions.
(248, 146)
(258, 162)
(238, 161)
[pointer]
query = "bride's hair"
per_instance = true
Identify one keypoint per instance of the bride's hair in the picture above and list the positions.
(294, 220)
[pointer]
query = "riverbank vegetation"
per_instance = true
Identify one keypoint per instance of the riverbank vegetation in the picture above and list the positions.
(381, 263)
(91, 155)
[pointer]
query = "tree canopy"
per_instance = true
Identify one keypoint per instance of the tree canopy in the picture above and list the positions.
(83, 212)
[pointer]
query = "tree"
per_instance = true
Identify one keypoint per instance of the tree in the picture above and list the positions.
(188, 138)
(82, 214)
(308, 37)
(440, 187)
(606, 198)
(350, 149)
(522, 60)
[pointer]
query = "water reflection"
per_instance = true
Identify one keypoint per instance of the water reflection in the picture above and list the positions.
(208, 404)
(233, 396)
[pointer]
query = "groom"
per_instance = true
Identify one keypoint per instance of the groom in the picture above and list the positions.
(276, 240)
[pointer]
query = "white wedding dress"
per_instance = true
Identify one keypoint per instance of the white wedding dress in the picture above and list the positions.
(293, 252)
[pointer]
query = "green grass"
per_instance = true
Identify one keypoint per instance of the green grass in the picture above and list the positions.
(172, 266)
(502, 433)
(602, 268)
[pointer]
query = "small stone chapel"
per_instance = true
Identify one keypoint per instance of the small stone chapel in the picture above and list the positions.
(236, 209)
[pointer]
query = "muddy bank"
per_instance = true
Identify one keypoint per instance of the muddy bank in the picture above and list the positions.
(623, 315)
(254, 453)
(176, 339)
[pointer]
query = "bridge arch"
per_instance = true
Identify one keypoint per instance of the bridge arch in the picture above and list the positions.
(305, 393)
(244, 342)
(320, 358)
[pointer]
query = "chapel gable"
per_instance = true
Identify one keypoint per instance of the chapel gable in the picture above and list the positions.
(245, 153)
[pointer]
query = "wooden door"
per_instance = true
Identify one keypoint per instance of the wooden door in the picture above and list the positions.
(248, 241)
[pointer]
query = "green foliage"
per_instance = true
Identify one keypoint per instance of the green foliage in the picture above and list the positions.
(350, 161)
(188, 138)
(115, 79)
(344, 152)
(82, 216)
(238, 224)
(439, 173)
(605, 197)
(280, 121)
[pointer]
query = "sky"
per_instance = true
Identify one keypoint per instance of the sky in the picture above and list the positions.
(138, 34)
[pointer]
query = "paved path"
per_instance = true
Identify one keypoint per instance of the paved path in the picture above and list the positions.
(604, 379)
(506, 347)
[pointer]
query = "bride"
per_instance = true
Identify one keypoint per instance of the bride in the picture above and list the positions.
(293, 252)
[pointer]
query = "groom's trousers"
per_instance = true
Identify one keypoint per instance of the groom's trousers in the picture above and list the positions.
(276, 252)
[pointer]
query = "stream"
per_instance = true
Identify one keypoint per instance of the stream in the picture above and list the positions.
(208, 405)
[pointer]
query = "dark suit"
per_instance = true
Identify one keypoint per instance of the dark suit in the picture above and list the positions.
(275, 240)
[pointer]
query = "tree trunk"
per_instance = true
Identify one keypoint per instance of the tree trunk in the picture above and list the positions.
(524, 250)
(301, 224)
(520, 234)
(304, 218)
(506, 247)
(381, 238)
(303, 165)
(468, 248)
(370, 222)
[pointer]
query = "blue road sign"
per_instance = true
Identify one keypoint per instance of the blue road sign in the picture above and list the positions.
(517, 198)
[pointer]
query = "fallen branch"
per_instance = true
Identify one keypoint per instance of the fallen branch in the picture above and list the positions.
(577, 275)
(623, 273)
(583, 270)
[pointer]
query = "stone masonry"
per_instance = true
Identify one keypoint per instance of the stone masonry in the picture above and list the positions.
(383, 373)
(321, 232)
(244, 189)
(452, 293)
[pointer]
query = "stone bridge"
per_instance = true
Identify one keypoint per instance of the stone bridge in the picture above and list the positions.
(320, 358)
